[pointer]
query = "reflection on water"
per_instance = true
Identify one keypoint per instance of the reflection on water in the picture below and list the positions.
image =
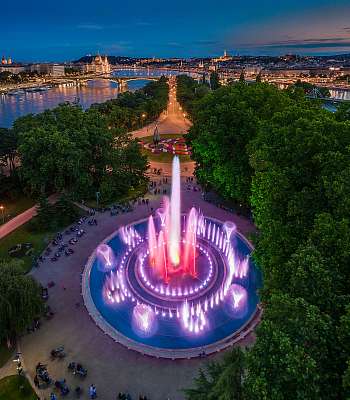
(340, 94)
(16, 105)
(13, 106)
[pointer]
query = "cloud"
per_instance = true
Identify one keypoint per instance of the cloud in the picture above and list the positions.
(143, 23)
(174, 44)
(206, 42)
(309, 43)
(92, 27)
(120, 47)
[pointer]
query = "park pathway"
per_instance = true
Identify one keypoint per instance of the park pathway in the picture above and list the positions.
(21, 219)
(172, 121)
(17, 221)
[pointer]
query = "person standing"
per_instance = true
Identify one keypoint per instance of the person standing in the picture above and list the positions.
(36, 381)
(92, 392)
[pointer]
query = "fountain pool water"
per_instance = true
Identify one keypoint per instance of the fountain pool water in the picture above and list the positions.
(173, 285)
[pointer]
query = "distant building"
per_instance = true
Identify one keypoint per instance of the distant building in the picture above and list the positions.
(99, 65)
(14, 69)
(213, 67)
(48, 69)
(6, 61)
(252, 70)
(223, 58)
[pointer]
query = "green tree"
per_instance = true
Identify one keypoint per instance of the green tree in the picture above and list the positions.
(45, 214)
(8, 149)
(214, 81)
(278, 369)
(346, 382)
(225, 121)
(20, 300)
(220, 381)
(242, 76)
(83, 151)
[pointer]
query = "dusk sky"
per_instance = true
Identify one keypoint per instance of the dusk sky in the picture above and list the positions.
(63, 30)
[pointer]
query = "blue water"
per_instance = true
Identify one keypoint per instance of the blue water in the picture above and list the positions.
(169, 334)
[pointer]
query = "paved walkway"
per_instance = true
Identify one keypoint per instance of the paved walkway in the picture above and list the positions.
(21, 219)
(17, 221)
(112, 368)
(9, 368)
(171, 121)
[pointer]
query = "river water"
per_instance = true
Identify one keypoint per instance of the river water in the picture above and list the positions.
(21, 103)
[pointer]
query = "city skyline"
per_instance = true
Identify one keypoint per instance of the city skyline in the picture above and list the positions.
(66, 31)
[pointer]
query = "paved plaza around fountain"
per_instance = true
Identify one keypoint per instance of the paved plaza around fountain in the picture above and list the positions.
(111, 367)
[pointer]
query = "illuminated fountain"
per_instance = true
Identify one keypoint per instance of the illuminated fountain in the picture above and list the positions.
(174, 281)
(168, 253)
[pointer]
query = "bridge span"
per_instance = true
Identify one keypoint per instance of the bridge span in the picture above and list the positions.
(120, 80)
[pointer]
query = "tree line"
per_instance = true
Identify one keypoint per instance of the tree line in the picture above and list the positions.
(288, 160)
(67, 149)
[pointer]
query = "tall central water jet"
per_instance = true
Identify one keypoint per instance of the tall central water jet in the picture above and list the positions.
(169, 252)
(175, 217)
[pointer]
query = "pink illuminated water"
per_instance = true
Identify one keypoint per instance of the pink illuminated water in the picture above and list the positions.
(175, 217)
(144, 319)
(169, 253)
(106, 256)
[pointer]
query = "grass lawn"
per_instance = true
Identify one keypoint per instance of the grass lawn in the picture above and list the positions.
(16, 388)
(15, 207)
(163, 157)
(24, 235)
(5, 353)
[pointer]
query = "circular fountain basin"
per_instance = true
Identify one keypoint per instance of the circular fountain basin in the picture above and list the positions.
(144, 314)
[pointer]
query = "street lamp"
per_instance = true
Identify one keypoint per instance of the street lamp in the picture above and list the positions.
(2, 208)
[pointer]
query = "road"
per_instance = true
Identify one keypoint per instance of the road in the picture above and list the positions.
(172, 121)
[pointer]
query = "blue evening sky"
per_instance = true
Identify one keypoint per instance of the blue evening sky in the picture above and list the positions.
(68, 29)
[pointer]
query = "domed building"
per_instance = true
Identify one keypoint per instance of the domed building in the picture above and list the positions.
(6, 61)
(99, 65)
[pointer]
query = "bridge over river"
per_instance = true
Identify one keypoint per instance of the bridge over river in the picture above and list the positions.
(120, 80)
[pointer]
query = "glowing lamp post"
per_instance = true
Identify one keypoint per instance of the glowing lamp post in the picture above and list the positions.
(2, 208)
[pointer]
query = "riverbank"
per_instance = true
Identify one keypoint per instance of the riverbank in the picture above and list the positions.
(22, 86)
